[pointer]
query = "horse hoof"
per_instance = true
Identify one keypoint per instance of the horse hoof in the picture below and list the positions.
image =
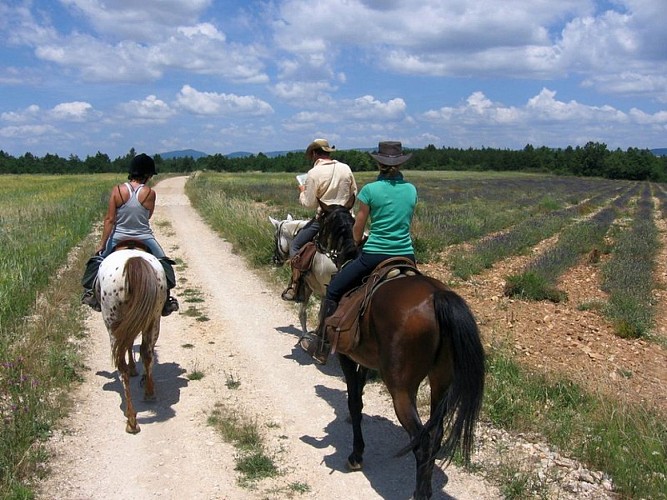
(354, 466)
(132, 430)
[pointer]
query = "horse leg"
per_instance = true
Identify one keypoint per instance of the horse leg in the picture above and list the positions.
(131, 425)
(132, 365)
(406, 410)
(355, 378)
(148, 341)
(303, 309)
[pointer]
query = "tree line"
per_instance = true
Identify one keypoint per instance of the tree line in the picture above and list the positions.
(592, 160)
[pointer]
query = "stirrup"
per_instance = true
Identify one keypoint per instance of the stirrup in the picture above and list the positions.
(315, 347)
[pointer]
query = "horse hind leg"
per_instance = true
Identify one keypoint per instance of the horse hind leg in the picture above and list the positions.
(420, 442)
(148, 342)
(132, 365)
(131, 425)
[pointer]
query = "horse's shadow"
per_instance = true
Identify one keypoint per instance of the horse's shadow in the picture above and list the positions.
(390, 476)
(168, 384)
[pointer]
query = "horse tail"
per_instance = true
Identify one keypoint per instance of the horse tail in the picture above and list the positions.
(459, 409)
(142, 304)
(461, 405)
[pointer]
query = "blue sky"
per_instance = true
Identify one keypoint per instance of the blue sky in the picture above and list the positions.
(82, 76)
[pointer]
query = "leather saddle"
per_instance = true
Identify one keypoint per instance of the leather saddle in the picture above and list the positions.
(130, 244)
(342, 327)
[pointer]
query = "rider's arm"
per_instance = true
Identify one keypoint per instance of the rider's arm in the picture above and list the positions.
(360, 222)
(110, 218)
(149, 202)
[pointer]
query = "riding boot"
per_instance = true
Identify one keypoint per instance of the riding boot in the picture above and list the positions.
(88, 281)
(293, 292)
(316, 343)
(171, 304)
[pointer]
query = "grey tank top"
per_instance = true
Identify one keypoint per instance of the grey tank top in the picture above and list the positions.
(132, 218)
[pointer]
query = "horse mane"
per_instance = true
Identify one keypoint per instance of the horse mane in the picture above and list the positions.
(335, 236)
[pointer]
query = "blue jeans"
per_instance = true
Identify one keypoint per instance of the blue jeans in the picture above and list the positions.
(152, 244)
(307, 233)
(353, 273)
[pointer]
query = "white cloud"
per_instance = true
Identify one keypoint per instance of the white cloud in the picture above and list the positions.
(29, 113)
(137, 20)
(72, 111)
(216, 104)
(150, 109)
(27, 132)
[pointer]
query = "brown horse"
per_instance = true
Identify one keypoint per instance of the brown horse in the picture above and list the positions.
(132, 288)
(414, 328)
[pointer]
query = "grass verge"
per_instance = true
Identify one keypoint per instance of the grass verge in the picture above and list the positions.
(627, 442)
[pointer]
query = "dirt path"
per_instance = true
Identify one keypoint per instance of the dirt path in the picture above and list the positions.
(249, 338)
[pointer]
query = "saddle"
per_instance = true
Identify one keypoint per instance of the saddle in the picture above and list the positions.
(130, 244)
(342, 327)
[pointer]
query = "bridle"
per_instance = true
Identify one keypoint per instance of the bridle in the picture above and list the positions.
(279, 255)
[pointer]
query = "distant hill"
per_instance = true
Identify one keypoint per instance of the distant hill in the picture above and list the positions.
(270, 154)
(239, 154)
(169, 155)
(659, 151)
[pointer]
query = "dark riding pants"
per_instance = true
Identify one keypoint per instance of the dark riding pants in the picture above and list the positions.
(353, 273)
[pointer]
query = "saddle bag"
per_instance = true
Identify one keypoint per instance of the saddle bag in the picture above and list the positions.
(304, 258)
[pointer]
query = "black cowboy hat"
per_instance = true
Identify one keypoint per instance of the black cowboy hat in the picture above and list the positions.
(390, 153)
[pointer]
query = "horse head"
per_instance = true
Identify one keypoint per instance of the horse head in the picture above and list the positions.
(284, 232)
(335, 236)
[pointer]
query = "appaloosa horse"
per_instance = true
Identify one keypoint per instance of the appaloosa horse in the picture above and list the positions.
(317, 278)
(414, 328)
(132, 288)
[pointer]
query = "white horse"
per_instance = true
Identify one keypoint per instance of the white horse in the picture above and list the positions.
(132, 287)
(317, 278)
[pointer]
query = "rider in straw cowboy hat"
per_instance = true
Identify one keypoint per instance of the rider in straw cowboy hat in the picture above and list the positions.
(330, 181)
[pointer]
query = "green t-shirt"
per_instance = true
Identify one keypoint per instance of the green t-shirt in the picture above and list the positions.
(392, 205)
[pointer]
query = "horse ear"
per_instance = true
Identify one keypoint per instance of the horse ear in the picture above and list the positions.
(273, 221)
(289, 217)
(350, 202)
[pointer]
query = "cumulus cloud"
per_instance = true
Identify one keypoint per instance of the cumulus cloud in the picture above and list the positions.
(463, 38)
(150, 109)
(137, 20)
(72, 111)
(29, 113)
(27, 132)
(220, 104)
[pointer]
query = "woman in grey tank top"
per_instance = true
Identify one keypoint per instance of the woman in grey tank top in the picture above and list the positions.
(130, 208)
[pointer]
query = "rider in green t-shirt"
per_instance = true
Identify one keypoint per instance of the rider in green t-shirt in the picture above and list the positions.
(389, 202)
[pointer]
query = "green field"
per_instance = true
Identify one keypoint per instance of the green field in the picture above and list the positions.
(46, 220)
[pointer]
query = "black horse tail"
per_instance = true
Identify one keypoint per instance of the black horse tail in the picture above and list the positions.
(459, 408)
